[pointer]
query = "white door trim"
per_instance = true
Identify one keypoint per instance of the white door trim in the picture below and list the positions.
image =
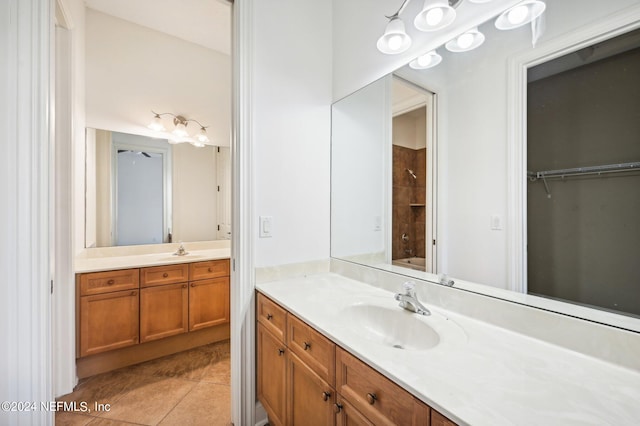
(616, 24)
(243, 396)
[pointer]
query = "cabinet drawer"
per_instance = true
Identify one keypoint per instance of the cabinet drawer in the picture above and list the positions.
(438, 419)
(272, 316)
(376, 397)
(314, 349)
(160, 275)
(209, 269)
(108, 281)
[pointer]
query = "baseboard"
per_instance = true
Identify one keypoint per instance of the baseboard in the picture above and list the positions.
(261, 415)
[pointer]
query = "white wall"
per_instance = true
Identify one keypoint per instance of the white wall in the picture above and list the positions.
(291, 91)
(131, 70)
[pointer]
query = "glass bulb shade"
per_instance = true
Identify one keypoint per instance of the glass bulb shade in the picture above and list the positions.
(520, 14)
(466, 41)
(180, 130)
(395, 39)
(434, 16)
(202, 136)
(428, 60)
(156, 124)
(197, 144)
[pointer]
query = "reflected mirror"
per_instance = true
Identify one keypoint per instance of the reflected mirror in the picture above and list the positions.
(143, 190)
(486, 139)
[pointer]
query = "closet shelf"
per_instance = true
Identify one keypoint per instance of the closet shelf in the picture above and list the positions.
(608, 168)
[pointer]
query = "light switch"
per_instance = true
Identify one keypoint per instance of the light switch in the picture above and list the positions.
(266, 226)
(496, 222)
(377, 223)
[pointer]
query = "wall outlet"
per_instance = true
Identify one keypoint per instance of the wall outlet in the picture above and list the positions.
(266, 226)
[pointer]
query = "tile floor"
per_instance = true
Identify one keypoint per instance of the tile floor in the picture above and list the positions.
(188, 388)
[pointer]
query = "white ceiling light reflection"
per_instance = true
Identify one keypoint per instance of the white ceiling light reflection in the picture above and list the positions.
(428, 60)
(434, 16)
(520, 14)
(466, 41)
(395, 39)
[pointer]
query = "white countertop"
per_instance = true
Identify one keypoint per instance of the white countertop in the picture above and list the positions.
(480, 374)
(111, 258)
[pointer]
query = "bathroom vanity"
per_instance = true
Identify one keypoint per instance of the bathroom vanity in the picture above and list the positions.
(304, 375)
(168, 303)
(341, 351)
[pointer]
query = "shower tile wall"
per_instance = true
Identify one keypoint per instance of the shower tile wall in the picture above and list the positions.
(406, 191)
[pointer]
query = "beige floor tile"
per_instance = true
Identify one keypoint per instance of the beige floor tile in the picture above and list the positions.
(107, 422)
(219, 372)
(184, 365)
(207, 404)
(149, 401)
(104, 388)
(71, 419)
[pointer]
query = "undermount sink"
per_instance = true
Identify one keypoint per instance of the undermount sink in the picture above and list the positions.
(390, 327)
(175, 257)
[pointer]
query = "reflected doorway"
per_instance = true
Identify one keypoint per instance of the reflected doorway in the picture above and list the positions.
(413, 240)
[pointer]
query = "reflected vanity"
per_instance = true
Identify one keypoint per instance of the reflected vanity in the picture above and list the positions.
(479, 170)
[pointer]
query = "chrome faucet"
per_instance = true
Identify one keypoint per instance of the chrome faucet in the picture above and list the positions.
(409, 300)
(181, 251)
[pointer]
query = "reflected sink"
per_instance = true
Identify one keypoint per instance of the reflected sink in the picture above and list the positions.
(390, 327)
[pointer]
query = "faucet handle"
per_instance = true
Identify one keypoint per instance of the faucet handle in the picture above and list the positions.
(408, 286)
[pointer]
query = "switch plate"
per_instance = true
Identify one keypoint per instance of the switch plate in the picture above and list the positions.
(266, 226)
(496, 222)
(377, 223)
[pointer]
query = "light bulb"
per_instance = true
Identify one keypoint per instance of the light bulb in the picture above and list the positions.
(156, 124)
(395, 42)
(425, 60)
(202, 136)
(465, 40)
(180, 130)
(434, 16)
(197, 144)
(518, 14)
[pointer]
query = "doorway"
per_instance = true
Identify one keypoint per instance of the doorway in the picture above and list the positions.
(413, 239)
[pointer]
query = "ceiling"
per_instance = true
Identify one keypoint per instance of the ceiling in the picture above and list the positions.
(203, 22)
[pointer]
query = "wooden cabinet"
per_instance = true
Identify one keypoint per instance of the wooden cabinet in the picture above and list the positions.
(324, 384)
(272, 369)
(108, 321)
(121, 308)
(163, 311)
(208, 303)
(311, 399)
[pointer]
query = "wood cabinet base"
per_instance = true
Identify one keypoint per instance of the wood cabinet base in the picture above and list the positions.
(107, 361)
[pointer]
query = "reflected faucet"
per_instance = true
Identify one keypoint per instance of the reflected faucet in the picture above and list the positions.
(181, 251)
(409, 300)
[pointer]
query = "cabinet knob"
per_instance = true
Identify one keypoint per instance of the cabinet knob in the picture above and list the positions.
(337, 407)
(372, 398)
(307, 345)
(326, 396)
(184, 286)
(209, 270)
(193, 284)
(165, 275)
(133, 293)
(111, 282)
(280, 352)
(269, 316)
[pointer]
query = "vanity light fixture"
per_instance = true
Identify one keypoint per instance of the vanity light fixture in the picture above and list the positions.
(428, 60)
(466, 41)
(520, 14)
(395, 39)
(180, 129)
(435, 15)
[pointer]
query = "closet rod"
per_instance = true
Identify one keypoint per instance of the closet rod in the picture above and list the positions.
(609, 168)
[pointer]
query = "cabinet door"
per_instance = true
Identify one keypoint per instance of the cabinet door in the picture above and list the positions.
(311, 399)
(349, 416)
(438, 419)
(108, 321)
(163, 311)
(208, 303)
(272, 368)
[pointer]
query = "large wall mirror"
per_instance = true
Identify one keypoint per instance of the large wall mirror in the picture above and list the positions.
(485, 195)
(143, 190)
